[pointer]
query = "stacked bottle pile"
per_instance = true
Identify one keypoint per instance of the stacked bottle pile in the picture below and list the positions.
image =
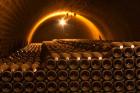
(17, 70)
(108, 68)
(74, 76)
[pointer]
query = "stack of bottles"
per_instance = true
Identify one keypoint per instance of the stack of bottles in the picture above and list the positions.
(67, 67)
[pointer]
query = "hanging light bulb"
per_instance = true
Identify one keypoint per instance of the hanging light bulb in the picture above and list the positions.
(62, 22)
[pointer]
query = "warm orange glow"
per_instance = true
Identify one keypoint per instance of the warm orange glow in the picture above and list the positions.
(62, 22)
(92, 27)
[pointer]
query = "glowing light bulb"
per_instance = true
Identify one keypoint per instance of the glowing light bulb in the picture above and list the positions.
(100, 58)
(89, 58)
(132, 46)
(78, 58)
(121, 46)
(62, 22)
